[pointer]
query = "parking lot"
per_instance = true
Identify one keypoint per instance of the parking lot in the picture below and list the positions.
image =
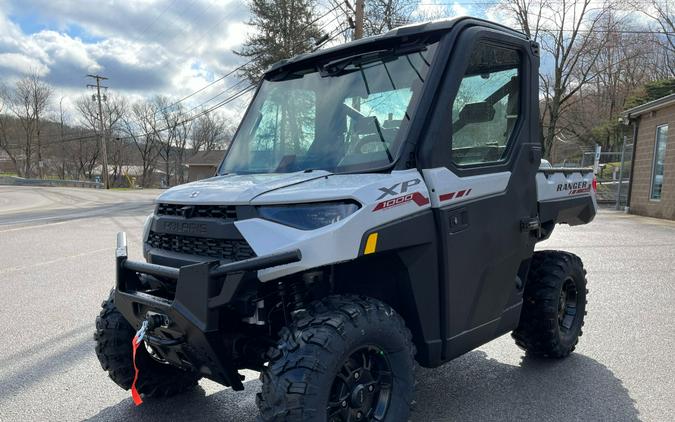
(56, 266)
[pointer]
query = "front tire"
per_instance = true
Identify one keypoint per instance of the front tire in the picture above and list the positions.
(554, 305)
(347, 358)
(113, 348)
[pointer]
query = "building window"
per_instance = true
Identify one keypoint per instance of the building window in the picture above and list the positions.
(659, 159)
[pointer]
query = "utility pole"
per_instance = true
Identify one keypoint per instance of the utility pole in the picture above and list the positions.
(358, 18)
(63, 144)
(359, 12)
(357, 23)
(104, 150)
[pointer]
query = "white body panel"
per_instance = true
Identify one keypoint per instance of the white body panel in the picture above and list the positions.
(563, 184)
(340, 241)
(233, 189)
(384, 198)
(447, 188)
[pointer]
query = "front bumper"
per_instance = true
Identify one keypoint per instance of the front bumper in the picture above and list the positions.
(190, 335)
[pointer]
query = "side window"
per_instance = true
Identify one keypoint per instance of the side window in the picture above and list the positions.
(485, 109)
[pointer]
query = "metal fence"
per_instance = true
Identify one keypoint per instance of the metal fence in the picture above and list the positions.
(20, 181)
(612, 173)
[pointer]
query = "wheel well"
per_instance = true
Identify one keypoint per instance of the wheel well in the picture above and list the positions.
(385, 277)
(379, 276)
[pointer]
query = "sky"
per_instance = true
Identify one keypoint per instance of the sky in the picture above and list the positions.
(144, 47)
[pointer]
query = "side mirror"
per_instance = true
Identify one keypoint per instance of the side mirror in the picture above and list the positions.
(480, 112)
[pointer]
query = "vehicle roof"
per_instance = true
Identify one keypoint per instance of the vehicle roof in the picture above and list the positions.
(399, 32)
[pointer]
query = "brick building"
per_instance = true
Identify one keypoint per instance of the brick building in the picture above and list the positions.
(652, 188)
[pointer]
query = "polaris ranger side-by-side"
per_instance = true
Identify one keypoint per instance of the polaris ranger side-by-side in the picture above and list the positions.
(379, 205)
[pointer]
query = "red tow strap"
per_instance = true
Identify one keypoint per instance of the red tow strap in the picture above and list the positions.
(134, 392)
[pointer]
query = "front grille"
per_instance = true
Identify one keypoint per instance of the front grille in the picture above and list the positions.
(228, 249)
(223, 212)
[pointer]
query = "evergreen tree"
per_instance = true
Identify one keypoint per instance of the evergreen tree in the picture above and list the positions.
(652, 91)
(282, 29)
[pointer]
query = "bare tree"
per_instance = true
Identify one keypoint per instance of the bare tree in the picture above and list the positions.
(210, 132)
(663, 14)
(566, 31)
(528, 14)
(8, 132)
(164, 127)
(28, 101)
(379, 16)
(384, 15)
(114, 109)
(139, 126)
(183, 130)
(621, 68)
(87, 154)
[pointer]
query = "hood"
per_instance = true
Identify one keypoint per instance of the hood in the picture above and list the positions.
(234, 189)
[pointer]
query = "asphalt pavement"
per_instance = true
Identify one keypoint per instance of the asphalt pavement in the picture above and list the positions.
(56, 266)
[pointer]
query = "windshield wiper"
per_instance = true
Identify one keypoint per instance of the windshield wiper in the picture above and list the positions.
(339, 66)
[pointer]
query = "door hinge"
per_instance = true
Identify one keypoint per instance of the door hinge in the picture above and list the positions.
(530, 224)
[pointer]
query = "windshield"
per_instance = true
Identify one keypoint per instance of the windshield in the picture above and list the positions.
(350, 115)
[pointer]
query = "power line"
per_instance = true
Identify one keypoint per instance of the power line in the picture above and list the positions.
(243, 66)
(181, 13)
(498, 3)
(159, 15)
(236, 69)
(228, 100)
(231, 98)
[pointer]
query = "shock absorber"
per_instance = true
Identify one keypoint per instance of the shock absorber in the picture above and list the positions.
(293, 294)
(298, 291)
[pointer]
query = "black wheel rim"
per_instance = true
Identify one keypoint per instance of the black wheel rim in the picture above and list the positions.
(567, 306)
(362, 388)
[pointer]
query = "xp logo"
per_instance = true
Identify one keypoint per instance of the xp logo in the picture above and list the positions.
(392, 191)
(194, 194)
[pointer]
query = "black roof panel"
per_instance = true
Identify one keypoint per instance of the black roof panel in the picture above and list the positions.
(399, 32)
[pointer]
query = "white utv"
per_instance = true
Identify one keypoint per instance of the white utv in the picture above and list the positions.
(379, 206)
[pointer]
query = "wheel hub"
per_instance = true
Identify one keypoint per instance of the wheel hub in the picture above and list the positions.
(362, 389)
(567, 305)
(358, 396)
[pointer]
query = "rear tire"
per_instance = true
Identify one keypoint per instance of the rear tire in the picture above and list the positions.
(347, 354)
(113, 338)
(554, 305)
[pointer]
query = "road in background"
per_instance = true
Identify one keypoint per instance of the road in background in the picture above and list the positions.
(56, 266)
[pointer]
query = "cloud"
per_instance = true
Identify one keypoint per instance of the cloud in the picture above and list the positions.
(439, 9)
(459, 10)
(144, 47)
(19, 63)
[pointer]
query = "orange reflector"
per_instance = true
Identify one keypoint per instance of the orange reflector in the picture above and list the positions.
(371, 244)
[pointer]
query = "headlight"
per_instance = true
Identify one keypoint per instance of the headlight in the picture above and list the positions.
(309, 216)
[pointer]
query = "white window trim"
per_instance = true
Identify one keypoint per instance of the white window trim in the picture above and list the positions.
(652, 177)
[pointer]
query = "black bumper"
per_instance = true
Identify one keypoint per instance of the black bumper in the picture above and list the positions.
(190, 335)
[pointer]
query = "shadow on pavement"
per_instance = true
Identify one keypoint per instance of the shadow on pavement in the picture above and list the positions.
(475, 387)
(470, 388)
(225, 405)
(51, 342)
(30, 373)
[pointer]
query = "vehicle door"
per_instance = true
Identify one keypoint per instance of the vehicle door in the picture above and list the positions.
(485, 191)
